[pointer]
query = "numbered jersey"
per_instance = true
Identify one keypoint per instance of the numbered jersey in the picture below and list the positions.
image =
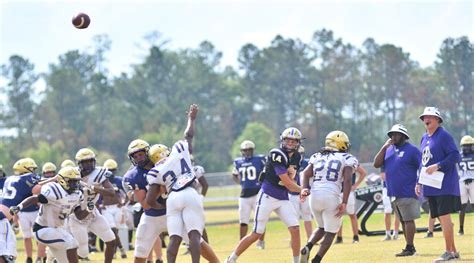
(98, 176)
(249, 169)
(327, 170)
(17, 188)
(60, 205)
(466, 166)
(176, 172)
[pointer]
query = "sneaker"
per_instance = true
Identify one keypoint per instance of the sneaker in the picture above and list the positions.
(229, 260)
(355, 239)
(406, 252)
(457, 255)
(338, 240)
(123, 254)
(461, 232)
(429, 234)
(158, 261)
(261, 244)
(446, 256)
(395, 237)
(304, 255)
(387, 238)
(38, 260)
(131, 247)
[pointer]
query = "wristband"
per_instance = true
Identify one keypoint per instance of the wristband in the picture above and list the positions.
(20, 206)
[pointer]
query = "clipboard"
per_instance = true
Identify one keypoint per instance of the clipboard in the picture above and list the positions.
(434, 180)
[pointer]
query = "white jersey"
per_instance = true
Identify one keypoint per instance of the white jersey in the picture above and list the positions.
(60, 205)
(98, 176)
(176, 172)
(327, 170)
(466, 166)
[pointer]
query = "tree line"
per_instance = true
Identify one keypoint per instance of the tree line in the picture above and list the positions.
(320, 86)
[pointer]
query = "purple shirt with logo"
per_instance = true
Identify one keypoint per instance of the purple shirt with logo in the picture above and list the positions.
(401, 165)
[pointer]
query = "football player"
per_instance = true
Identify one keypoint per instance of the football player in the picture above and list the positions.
(277, 179)
(68, 162)
(57, 200)
(184, 207)
(246, 171)
(48, 170)
(94, 182)
(466, 179)
(331, 170)
(113, 207)
(153, 219)
(17, 189)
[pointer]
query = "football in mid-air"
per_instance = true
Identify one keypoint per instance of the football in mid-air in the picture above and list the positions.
(81, 20)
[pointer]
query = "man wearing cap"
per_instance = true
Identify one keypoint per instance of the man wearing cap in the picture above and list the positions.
(401, 161)
(440, 153)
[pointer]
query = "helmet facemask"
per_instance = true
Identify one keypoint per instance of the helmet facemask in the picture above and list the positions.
(86, 166)
(140, 158)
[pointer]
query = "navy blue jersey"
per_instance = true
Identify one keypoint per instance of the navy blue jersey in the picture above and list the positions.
(2, 182)
(117, 182)
(135, 179)
(18, 188)
(249, 169)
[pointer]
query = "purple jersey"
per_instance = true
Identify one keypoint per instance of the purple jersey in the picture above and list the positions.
(17, 188)
(135, 179)
(249, 169)
(401, 166)
(441, 149)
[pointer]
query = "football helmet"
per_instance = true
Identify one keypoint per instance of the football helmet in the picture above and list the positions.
(290, 133)
(400, 129)
(85, 159)
(111, 164)
(431, 111)
(337, 141)
(48, 168)
(246, 148)
(24, 166)
(137, 146)
(157, 152)
(67, 163)
(69, 177)
(467, 144)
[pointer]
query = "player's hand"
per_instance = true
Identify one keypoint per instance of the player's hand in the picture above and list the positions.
(303, 194)
(418, 190)
(432, 168)
(90, 206)
(193, 110)
(14, 210)
(341, 209)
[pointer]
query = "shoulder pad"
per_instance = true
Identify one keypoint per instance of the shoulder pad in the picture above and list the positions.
(278, 156)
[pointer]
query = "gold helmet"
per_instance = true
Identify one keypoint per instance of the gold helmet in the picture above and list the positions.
(291, 133)
(24, 165)
(69, 177)
(337, 141)
(48, 168)
(157, 152)
(111, 164)
(67, 163)
(82, 156)
(466, 140)
(137, 145)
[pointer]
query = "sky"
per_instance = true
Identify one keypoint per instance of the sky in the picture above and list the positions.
(41, 30)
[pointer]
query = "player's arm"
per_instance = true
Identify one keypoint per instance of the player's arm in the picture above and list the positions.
(347, 175)
(362, 174)
(152, 195)
(306, 174)
(105, 189)
(32, 200)
(81, 214)
(140, 196)
(205, 186)
(380, 156)
(236, 175)
(289, 183)
(189, 131)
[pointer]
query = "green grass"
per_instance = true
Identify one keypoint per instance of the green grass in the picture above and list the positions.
(224, 238)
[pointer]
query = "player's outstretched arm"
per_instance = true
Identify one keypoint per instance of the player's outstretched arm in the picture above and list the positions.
(190, 128)
(289, 183)
(152, 196)
(32, 200)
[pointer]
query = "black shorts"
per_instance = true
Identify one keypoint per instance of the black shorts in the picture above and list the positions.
(443, 205)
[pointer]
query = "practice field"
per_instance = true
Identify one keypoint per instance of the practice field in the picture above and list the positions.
(224, 238)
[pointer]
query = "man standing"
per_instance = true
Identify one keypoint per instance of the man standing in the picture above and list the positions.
(440, 153)
(401, 161)
(246, 171)
(466, 186)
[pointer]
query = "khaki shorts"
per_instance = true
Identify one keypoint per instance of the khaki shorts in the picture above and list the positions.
(407, 209)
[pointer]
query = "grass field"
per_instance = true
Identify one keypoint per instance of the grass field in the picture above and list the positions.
(224, 238)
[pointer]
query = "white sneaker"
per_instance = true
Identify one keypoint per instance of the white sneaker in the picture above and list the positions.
(304, 255)
(387, 238)
(229, 260)
(395, 237)
(261, 244)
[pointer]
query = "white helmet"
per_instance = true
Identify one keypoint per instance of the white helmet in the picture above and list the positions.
(247, 144)
(431, 111)
(399, 128)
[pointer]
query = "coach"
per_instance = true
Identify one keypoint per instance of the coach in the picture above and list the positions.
(401, 161)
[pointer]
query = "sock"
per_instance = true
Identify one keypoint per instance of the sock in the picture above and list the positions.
(316, 259)
(233, 256)
(296, 259)
(387, 232)
(461, 228)
(395, 232)
(410, 247)
(309, 245)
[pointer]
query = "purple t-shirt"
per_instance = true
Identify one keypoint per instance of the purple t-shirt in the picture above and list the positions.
(441, 149)
(401, 165)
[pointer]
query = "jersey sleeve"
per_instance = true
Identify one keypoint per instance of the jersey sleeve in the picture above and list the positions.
(351, 161)
(154, 177)
(312, 159)
(128, 183)
(51, 191)
(103, 175)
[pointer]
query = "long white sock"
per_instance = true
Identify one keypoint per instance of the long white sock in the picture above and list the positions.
(233, 256)
(296, 259)
(387, 232)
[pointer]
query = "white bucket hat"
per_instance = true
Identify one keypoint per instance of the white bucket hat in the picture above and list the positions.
(399, 128)
(431, 111)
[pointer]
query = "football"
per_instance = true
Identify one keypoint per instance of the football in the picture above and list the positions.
(81, 21)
